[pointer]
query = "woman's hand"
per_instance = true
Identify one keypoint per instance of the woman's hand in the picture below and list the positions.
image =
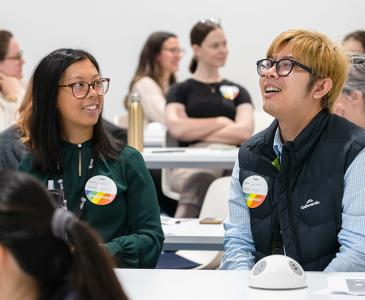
(9, 87)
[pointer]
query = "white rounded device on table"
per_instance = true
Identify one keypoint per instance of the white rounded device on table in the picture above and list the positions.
(277, 272)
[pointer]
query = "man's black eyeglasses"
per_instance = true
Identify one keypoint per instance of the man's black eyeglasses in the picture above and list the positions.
(283, 66)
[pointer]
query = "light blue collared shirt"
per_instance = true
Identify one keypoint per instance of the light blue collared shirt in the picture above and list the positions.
(238, 242)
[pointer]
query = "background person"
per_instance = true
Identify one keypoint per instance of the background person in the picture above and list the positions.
(157, 65)
(350, 104)
(298, 187)
(354, 42)
(12, 87)
(103, 182)
(203, 110)
(36, 262)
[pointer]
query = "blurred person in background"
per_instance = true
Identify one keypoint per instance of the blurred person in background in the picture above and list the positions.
(155, 73)
(206, 110)
(350, 104)
(157, 65)
(354, 42)
(12, 85)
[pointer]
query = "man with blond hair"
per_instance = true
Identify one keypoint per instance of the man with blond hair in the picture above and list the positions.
(298, 187)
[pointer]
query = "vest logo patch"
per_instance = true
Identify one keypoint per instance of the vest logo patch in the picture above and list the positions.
(310, 203)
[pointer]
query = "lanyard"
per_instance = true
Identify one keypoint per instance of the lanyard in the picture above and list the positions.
(59, 193)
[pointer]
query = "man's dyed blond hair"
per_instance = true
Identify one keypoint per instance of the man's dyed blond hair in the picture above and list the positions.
(318, 52)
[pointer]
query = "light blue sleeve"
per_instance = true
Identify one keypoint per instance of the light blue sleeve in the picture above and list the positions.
(239, 249)
(351, 256)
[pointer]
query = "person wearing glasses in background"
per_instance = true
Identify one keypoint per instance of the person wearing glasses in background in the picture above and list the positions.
(157, 65)
(12, 85)
(298, 187)
(204, 110)
(350, 104)
(104, 182)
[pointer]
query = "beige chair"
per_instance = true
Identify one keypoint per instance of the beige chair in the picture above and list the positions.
(215, 205)
(170, 141)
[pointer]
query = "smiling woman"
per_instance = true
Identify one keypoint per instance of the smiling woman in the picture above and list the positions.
(103, 182)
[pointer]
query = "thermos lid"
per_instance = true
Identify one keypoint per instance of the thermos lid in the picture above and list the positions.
(134, 97)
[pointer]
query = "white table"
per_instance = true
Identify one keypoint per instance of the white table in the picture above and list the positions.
(190, 235)
(218, 285)
(158, 158)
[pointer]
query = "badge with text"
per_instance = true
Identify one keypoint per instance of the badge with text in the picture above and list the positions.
(229, 92)
(254, 190)
(100, 190)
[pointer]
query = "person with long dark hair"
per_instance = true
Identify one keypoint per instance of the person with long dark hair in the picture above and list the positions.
(12, 85)
(45, 253)
(155, 73)
(204, 110)
(105, 183)
(13, 139)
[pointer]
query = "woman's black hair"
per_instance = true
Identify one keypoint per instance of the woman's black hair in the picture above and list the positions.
(79, 267)
(45, 128)
(198, 34)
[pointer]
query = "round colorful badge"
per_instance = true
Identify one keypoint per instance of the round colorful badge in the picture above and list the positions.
(100, 190)
(254, 190)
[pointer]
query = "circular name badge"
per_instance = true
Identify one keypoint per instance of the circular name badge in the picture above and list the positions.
(100, 190)
(254, 190)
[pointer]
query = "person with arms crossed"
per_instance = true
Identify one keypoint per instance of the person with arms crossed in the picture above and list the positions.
(205, 110)
(105, 183)
(298, 186)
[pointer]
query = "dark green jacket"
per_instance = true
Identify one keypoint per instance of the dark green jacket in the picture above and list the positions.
(130, 225)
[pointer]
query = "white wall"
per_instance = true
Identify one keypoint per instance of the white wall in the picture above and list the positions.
(114, 31)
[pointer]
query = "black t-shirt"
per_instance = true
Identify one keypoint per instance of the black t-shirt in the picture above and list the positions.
(203, 100)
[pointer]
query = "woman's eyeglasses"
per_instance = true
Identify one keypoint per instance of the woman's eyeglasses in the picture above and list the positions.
(18, 56)
(81, 89)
